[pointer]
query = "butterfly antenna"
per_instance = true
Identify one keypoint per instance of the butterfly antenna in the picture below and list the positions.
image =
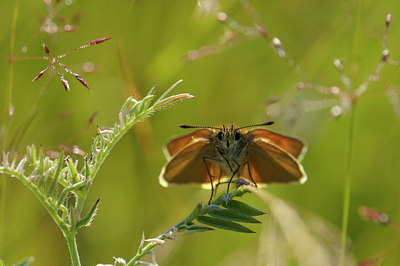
(259, 125)
(187, 126)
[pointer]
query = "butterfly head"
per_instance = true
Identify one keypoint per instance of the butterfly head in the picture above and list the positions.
(229, 140)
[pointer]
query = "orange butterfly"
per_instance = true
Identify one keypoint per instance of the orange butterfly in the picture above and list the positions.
(257, 155)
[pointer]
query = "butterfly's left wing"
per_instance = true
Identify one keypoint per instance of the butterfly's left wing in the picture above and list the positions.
(268, 163)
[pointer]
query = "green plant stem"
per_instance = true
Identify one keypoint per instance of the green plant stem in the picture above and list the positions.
(347, 187)
(69, 234)
(143, 251)
(2, 209)
(106, 152)
(38, 194)
(7, 106)
(73, 247)
(198, 210)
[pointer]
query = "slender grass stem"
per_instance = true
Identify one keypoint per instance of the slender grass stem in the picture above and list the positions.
(8, 92)
(7, 109)
(347, 187)
(2, 209)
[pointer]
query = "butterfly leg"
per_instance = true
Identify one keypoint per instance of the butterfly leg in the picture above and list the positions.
(233, 174)
(214, 160)
(248, 168)
(219, 181)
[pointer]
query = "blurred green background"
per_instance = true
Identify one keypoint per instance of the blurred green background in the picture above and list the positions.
(149, 45)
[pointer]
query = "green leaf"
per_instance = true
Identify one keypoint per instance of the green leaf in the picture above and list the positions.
(86, 171)
(89, 217)
(172, 99)
(208, 208)
(194, 228)
(72, 170)
(243, 208)
(232, 215)
(41, 168)
(134, 107)
(126, 104)
(144, 104)
(65, 192)
(53, 184)
(223, 224)
(152, 90)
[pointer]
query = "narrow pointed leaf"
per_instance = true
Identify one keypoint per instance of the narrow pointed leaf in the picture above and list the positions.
(199, 228)
(194, 229)
(41, 168)
(223, 224)
(243, 208)
(152, 91)
(231, 215)
(53, 184)
(72, 170)
(145, 103)
(172, 99)
(89, 217)
(86, 172)
(134, 108)
(208, 208)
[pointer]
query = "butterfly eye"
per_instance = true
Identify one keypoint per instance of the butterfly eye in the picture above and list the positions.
(219, 135)
(237, 135)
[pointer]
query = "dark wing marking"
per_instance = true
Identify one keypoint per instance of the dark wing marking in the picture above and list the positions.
(271, 164)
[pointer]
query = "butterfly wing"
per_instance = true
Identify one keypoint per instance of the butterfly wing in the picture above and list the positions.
(294, 146)
(179, 143)
(187, 166)
(269, 163)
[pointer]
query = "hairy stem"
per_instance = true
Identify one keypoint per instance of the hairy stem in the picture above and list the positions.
(200, 209)
(73, 247)
(143, 251)
(23, 179)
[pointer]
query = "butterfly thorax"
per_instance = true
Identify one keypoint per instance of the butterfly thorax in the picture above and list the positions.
(231, 146)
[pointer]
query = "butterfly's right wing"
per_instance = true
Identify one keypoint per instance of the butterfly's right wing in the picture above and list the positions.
(187, 165)
(180, 142)
(294, 146)
(268, 163)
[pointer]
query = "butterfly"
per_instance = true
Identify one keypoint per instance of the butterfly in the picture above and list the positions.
(259, 156)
